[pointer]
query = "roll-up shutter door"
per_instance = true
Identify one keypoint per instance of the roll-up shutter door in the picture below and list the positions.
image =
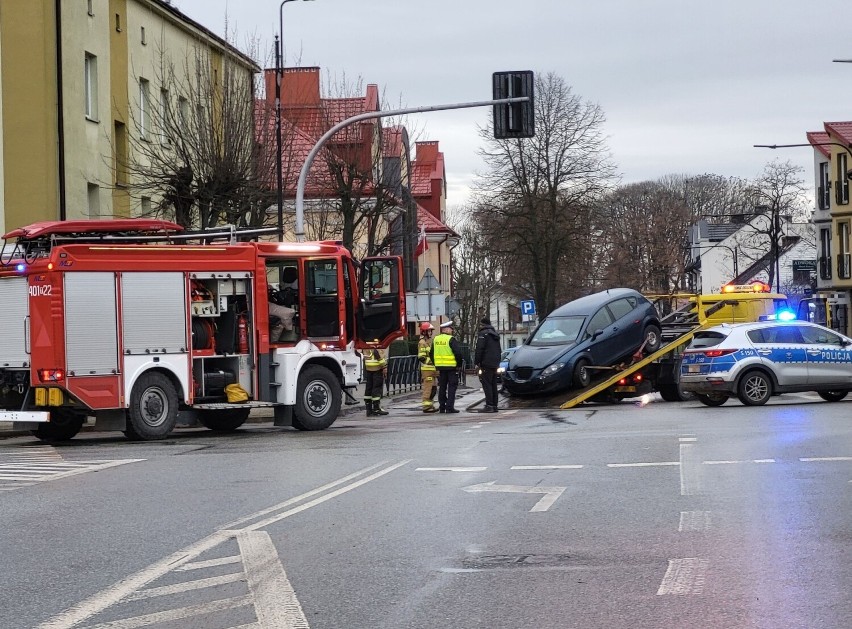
(14, 298)
(154, 311)
(91, 323)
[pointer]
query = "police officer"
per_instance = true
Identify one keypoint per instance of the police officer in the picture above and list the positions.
(447, 358)
(487, 360)
(428, 376)
(375, 364)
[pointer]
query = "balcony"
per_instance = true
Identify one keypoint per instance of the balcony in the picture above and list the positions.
(844, 266)
(825, 267)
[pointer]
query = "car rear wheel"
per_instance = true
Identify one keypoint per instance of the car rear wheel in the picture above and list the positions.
(711, 399)
(653, 339)
(755, 388)
(582, 376)
(832, 396)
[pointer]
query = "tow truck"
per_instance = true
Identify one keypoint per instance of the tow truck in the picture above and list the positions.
(681, 316)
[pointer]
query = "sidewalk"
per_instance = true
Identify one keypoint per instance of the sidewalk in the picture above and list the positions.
(263, 415)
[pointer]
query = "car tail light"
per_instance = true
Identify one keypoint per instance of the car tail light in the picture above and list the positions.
(51, 375)
(715, 353)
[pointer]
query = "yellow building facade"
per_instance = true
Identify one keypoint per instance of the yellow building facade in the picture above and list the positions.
(82, 82)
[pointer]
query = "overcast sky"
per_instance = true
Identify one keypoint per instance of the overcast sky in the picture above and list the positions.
(687, 87)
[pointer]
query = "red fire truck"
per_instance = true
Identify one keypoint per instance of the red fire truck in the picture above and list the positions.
(134, 321)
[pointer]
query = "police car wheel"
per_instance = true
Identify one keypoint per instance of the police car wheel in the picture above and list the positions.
(711, 399)
(755, 388)
(832, 396)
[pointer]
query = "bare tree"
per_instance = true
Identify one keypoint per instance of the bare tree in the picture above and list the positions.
(476, 274)
(536, 199)
(778, 196)
(643, 230)
(197, 146)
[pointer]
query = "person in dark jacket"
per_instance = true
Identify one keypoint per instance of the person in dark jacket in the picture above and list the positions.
(447, 357)
(486, 360)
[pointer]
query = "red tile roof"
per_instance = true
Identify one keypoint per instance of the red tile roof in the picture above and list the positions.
(841, 130)
(818, 137)
(432, 225)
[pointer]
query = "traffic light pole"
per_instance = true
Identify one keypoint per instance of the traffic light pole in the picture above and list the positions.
(303, 174)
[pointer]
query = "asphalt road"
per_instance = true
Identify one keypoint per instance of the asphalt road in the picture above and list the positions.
(625, 516)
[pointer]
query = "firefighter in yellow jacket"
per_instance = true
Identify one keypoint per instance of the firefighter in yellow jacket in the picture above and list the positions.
(375, 364)
(428, 375)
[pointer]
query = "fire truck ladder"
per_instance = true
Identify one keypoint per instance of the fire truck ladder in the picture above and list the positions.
(682, 323)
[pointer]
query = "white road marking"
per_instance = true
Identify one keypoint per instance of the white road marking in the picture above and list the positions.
(826, 458)
(690, 470)
(124, 588)
(683, 439)
(24, 469)
(450, 469)
(694, 521)
(551, 494)
(546, 467)
(176, 614)
(684, 576)
(275, 601)
(186, 586)
(210, 563)
(662, 463)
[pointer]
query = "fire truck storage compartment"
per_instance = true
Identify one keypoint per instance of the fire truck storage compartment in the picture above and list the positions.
(154, 309)
(218, 302)
(14, 333)
(211, 374)
(91, 323)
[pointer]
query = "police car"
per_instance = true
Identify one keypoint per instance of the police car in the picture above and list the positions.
(755, 361)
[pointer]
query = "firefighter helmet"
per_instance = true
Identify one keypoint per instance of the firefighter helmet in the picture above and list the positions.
(426, 326)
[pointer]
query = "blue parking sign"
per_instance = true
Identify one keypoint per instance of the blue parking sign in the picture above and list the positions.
(528, 307)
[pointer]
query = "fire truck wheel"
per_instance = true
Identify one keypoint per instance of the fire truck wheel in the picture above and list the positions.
(318, 399)
(225, 420)
(153, 408)
(63, 425)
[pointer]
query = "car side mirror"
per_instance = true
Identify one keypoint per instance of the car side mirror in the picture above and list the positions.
(597, 333)
(845, 343)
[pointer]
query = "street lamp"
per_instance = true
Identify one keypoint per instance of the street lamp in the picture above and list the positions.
(279, 72)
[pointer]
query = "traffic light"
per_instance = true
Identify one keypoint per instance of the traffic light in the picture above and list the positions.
(514, 120)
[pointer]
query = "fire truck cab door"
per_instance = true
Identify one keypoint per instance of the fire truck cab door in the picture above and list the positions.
(381, 310)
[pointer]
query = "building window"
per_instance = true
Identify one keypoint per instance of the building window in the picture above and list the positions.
(824, 191)
(825, 254)
(145, 206)
(144, 107)
(94, 197)
(844, 264)
(142, 37)
(183, 111)
(842, 186)
(165, 121)
(90, 86)
(120, 157)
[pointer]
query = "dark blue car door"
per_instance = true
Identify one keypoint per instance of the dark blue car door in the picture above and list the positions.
(604, 349)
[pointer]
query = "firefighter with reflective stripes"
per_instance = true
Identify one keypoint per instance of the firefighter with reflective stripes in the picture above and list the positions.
(428, 375)
(375, 364)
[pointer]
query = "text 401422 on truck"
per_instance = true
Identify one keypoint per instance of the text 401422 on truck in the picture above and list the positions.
(112, 319)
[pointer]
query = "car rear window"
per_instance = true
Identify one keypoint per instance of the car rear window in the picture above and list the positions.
(706, 339)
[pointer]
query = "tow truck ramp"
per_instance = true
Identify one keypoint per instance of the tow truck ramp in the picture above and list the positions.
(578, 396)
